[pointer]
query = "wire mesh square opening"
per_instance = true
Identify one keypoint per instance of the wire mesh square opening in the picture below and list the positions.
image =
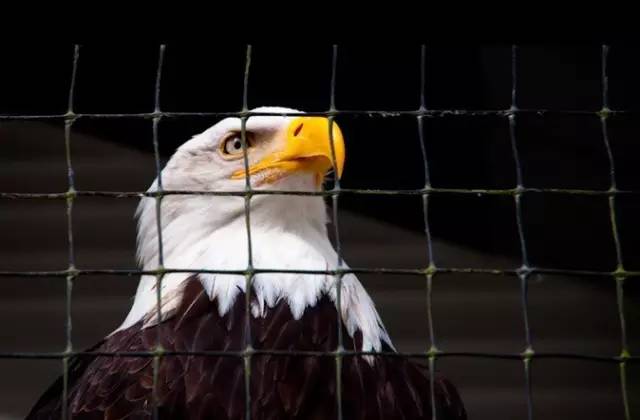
(551, 78)
(481, 321)
(188, 87)
(33, 311)
(563, 151)
(486, 222)
(98, 220)
(116, 79)
(121, 166)
(33, 226)
(478, 379)
(27, 163)
(582, 388)
(470, 152)
(570, 301)
(376, 147)
(400, 243)
(392, 83)
(560, 232)
(29, 87)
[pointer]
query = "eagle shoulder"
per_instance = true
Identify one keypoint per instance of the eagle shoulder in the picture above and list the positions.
(211, 386)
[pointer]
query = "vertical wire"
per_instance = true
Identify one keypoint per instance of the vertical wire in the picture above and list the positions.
(423, 151)
(248, 349)
(160, 270)
(71, 195)
(523, 272)
(604, 114)
(431, 270)
(625, 351)
(334, 202)
(619, 274)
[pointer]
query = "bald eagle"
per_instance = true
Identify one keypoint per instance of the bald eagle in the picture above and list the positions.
(206, 312)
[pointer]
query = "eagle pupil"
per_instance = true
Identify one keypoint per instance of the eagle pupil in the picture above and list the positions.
(237, 145)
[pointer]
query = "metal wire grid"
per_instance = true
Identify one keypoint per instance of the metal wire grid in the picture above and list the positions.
(619, 275)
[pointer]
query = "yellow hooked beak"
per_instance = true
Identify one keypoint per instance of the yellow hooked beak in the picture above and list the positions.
(307, 148)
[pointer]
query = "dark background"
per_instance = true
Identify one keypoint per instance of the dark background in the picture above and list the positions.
(575, 314)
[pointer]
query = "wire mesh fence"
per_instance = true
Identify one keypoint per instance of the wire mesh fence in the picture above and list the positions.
(428, 273)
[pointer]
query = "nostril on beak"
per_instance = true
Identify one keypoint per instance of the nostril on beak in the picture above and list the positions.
(298, 129)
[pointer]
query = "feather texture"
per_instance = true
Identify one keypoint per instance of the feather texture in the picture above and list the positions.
(212, 387)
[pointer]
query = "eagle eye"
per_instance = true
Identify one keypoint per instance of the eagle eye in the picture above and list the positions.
(231, 145)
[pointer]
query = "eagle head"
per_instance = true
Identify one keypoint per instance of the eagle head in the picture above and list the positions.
(292, 153)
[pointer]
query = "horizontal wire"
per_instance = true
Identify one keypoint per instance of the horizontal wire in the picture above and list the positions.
(244, 193)
(341, 353)
(369, 113)
(431, 270)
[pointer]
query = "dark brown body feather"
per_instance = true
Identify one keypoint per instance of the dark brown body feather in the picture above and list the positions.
(213, 387)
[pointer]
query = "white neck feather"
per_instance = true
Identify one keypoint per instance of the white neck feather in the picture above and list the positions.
(207, 232)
